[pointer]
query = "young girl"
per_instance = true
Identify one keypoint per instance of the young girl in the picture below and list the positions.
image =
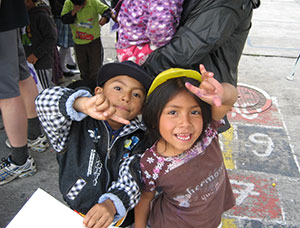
(145, 26)
(182, 114)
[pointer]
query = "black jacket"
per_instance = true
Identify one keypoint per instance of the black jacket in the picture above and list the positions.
(13, 15)
(94, 161)
(89, 164)
(211, 32)
(42, 35)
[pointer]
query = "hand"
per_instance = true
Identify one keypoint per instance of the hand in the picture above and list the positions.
(98, 107)
(102, 21)
(100, 215)
(210, 90)
(32, 59)
(114, 17)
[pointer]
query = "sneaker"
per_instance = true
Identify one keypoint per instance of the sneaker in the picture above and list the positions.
(68, 74)
(10, 171)
(40, 144)
(71, 67)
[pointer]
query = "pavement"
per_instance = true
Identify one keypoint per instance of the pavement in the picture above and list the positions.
(261, 150)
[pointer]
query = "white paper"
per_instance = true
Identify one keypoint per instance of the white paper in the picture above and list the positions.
(43, 210)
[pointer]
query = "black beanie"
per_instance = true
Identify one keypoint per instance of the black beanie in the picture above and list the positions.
(127, 68)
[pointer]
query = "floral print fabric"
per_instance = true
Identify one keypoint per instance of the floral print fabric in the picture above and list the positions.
(154, 165)
(148, 21)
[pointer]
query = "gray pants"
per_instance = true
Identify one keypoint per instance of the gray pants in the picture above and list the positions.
(13, 65)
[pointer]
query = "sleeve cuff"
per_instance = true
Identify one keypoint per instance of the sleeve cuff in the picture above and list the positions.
(74, 115)
(121, 211)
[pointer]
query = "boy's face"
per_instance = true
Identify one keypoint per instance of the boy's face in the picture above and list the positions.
(126, 94)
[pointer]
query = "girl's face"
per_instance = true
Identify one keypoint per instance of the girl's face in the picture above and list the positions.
(180, 124)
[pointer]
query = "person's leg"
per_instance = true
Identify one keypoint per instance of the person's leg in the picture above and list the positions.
(81, 52)
(63, 52)
(26, 89)
(45, 77)
(15, 120)
(58, 76)
(11, 103)
(69, 60)
(95, 51)
(62, 55)
(36, 140)
(69, 43)
(19, 163)
(29, 92)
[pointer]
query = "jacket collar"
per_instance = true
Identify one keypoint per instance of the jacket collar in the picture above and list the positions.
(134, 125)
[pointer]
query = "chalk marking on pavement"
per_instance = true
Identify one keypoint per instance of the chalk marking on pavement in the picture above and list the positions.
(268, 118)
(255, 125)
(229, 223)
(263, 139)
(226, 139)
(262, 220)
(257, 198)
(287, 133)
(245, 192)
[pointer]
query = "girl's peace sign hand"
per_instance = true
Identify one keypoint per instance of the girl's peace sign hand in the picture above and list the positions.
(210, 90)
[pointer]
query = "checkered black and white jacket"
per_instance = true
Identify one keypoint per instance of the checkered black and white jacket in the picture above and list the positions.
(91, 168)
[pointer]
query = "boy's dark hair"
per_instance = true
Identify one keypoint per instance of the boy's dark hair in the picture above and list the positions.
(78, 2)
(157, 100)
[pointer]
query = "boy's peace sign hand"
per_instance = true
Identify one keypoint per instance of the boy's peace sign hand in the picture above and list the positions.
(210, 90)
(98, 107)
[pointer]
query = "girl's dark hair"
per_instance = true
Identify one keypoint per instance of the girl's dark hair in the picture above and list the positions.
(157, 100)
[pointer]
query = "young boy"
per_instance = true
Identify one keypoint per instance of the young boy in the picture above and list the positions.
(94, 136)
(39, 40)
(83, 17)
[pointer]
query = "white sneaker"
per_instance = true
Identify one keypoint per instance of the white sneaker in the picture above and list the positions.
(10, 171)
(40, 144)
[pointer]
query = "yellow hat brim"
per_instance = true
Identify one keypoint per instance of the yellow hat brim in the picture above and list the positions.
(173, 73)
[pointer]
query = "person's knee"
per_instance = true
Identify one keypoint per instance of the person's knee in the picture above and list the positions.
(28, 84)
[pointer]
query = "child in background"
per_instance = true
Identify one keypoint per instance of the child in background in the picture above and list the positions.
(145, 26)
(95, 136)
(186, 162)
(64, 39)
(39, 40)
(83, 17)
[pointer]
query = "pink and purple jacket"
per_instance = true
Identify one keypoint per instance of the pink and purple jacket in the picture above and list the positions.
(152, 22)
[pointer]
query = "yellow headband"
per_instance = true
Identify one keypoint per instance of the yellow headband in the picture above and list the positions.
(173, 73)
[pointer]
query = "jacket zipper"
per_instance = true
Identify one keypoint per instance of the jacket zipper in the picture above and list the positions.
(108, 153)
